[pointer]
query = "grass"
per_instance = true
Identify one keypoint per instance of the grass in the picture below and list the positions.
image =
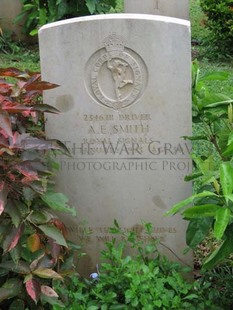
(205, 53)
(21, 57)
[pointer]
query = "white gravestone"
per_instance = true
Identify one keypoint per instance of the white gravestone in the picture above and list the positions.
(125, 94)
(173, 8)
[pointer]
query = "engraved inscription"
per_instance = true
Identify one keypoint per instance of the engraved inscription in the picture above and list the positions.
(102, 234)
(120, 142)
(116, 76)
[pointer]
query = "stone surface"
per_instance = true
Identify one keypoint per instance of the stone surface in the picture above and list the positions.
(173, 8)
(125, 95)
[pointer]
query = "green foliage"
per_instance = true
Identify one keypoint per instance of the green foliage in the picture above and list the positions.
(146, 280)
(41, 12)
(198, 30)
(33, 241)
(7, 45)
(220, 22)
(119, 7)
(213, 204)
(222, 280)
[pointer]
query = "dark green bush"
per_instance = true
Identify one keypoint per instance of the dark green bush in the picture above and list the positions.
(220, 22)
(40, 12)
(145, 281)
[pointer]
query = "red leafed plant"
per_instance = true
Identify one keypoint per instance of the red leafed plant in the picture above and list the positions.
(33, 243)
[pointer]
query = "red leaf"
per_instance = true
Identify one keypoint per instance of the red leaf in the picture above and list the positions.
(35, 76)
(13, 238)
(44, 261)
(5, 123)
(5, 88)
(33, 289)
(3, 196)
(27, 142)
(35, 263)
(13, 72)
(11, 176)
(61, 226)
(4, 139)
(11, 107)
(27, 170)
(55, 249)
(1, 206)
(2, 98)
(40, 85)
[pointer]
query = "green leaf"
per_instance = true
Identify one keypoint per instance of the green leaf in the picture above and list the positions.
(226, 178)
(19, 17)
(5, 227)
(193, 176)
(222, 252)
(16, 253)
(229, 197)
(215, 76)
(116, 307)
(17, 304)
(195, 74)
(229, 150)
(194, 138)
(208, 166)
(91, 6)
(28, 6)
(40, 217)
(211, 102)
(42, 16)
(58, 202)
(177, 207)
(62, 9)
(53, 233)
(44, 108)
(10, 289)
(201, 211)
(13, 210)
(191, 297)
(21, 267)
(33, 32)
(52, 301)
(222, 220)
(197, 231)
(230, 138)
(47, 273)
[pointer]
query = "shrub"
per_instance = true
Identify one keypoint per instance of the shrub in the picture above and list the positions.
(213, 169)
(220, 22)
(146, 280)
(38, 13)
(33, 241)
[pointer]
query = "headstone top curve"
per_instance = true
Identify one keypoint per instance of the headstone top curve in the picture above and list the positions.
(133, 16)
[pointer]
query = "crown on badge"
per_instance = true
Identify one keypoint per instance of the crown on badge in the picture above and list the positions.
(114, 42)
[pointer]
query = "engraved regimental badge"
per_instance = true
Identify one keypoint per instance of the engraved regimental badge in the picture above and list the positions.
(116, 76)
